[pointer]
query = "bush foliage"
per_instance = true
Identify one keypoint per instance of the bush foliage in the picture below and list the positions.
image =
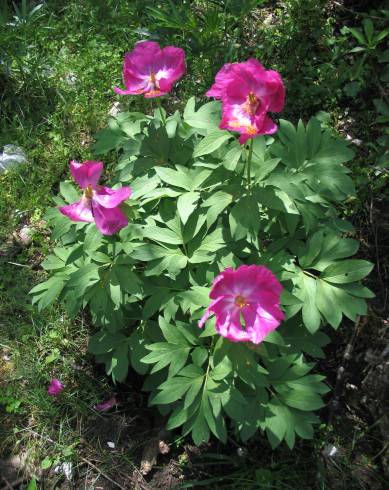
(196, 209)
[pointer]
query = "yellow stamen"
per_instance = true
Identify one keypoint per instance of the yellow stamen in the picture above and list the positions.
(241, 301)
(153, 92)
(88, 192)
(251, 129)
(251, 104)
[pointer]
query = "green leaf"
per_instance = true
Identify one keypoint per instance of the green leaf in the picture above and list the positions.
(178, 417)
(69, 192)
(298, 337)
(119, 363)
(232, 157)
(127, 279)
(311, 315)
(242, 222)
(368, 27)
(264, 168)
(199, 356)
(93, 239)
(164, 235)
(32, 485)
(186, 204)
(174, 177)
(216, 204)
(200, 430)
(326, 301)
(357, 33)
(136, 344)
(164, 354)
(46, 463)
(47, 292)
(83, 279)
(104, 341)
(52, 262)
(346, 271)
(171, 390)
(211, 142)
(207, 116)
(194, 390)
(302, 399)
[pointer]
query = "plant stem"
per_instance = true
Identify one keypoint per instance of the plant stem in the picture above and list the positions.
(161, 112)
(249, 158)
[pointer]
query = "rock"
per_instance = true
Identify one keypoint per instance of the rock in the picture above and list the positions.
(11, 156)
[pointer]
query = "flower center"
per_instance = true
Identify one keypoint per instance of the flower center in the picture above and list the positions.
(88, 192)
(241, 301)
(252, 103)
(153, 81)
(251, 130)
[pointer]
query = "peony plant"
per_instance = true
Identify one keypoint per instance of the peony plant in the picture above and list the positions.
(217, 275)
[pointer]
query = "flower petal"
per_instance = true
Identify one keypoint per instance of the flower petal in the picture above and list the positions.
(55, 387)
(87, 173)
(79, 211)
(252, 292)
(150, 70)
(106, 405)
(108, 220)
(111, 198)
(222, 78)
(276, 91)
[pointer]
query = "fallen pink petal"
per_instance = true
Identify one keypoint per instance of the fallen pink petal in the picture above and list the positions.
(107, 405)
(150, 70)
(55, 387)
(98, 204)
(250, 293)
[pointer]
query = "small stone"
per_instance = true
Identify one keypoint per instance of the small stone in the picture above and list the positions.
(25, 235)
(11, 156)
(71, 78)
(114, 110)
(163, 447)
(329, 451)
(241, 452)
(66, 468)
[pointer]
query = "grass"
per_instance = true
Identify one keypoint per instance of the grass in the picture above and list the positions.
(57, 70)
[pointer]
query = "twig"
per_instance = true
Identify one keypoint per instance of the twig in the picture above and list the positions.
(82, 459)
(334, 403)
(102, 473)
(357, 14)
(6, 482)
(382, 90)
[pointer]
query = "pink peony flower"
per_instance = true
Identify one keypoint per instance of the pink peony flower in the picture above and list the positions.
(251, 294)
(99, 204)
(248, 92)
(150, 70)
(107, 405)
(55, 387)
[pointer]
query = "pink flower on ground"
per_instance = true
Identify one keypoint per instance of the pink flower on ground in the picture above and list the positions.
(55, 387)
(107, 405)
(99, 204)
(248, 92)
(150, 70)
(249, 294)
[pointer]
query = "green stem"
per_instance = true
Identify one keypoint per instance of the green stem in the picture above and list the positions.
(249, 158)
(161, 112)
